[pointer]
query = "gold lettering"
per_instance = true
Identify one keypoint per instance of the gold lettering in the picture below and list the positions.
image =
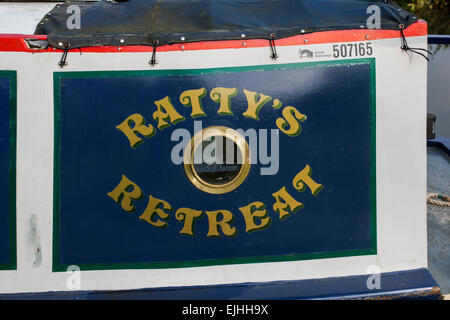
(223, 96)
(138, 126)
(252, 211)
(305, 176)
(166, 111)
(291, 115)
(254, 106)
(125, 192)
(288, 202)
(277, 104)
(193, 98)
(188, 216)
(227, 217)
(156, 206)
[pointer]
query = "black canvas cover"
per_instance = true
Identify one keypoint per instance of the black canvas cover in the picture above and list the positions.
(159, 22)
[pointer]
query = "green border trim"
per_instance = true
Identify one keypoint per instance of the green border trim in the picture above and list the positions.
(57, 76)
(56, 173)
(12, 265)
(373, 156)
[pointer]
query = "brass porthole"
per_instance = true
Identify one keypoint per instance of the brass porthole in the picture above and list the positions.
(217, 160)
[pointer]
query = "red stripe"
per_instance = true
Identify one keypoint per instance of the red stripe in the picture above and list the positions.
(15, 42)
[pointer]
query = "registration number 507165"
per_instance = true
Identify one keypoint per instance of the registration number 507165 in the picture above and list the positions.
(359, 49)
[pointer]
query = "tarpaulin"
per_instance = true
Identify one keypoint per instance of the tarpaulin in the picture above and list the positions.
(160, 22)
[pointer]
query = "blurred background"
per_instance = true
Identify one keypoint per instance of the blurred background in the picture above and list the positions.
(435, 12)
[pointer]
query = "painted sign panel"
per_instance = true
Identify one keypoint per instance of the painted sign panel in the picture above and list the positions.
(124, 198)
(7, 170)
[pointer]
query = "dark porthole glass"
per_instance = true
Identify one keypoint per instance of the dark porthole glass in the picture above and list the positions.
(217, 160)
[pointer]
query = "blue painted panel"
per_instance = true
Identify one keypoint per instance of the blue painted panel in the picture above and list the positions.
(438, 39)
(93, 231)
(7, 169)
(410, 284)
